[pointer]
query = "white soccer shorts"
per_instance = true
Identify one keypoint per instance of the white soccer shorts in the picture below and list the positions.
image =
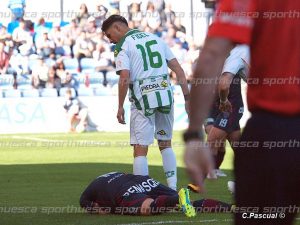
(143, 128)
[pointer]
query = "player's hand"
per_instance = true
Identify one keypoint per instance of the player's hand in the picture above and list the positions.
(121, 115)
(225, 106)
(198, 161)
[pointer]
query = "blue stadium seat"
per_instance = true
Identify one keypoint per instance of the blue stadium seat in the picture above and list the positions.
(50, 62)
(88, 65)
(62, 92)
(24, 82)
(49, 25)
(85, 92)
(12, 93)
(95, 80)
(112, 77)
(64, 23)
(12, 26)
(104, 91)
(6, 81)
(48, 92)
(71, 65)
(31, 93)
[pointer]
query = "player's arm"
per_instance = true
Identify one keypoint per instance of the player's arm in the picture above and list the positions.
(223, 87)
(123, 69)
(180, 76)
(123, 89)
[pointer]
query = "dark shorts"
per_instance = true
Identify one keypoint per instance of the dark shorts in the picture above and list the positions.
(130, 203)
(267, 167)
(228, 122)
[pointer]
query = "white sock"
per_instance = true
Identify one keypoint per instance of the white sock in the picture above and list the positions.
(140, 166)
(170, 168)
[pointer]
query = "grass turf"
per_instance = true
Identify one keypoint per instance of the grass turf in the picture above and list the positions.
(44, 174)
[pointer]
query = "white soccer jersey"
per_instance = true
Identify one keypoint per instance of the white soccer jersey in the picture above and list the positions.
(145, 55)
(238, 61)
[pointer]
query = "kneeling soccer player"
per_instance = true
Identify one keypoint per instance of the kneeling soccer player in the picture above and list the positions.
(128, 194)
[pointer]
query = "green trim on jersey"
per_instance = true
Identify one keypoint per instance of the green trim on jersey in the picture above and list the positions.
(146, 102)
(158, 97)
(119, 45)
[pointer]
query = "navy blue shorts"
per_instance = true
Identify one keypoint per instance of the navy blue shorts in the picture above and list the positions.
(228, 122)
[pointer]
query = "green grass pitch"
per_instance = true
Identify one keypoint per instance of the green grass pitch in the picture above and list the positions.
(43, 175)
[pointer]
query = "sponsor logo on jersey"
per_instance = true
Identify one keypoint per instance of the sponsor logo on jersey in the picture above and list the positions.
(116, 52)
(150, 87)
(161, 132)
(164, 84)
(143, 187)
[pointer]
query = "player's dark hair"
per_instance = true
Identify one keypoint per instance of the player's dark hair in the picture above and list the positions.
(110, 20)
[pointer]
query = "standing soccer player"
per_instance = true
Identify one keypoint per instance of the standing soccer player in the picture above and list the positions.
(142, 61)
(227, 110)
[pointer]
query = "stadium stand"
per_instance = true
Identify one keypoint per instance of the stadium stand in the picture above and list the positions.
(55, 66)
(31, 93)
(48, 92)
(12, 93)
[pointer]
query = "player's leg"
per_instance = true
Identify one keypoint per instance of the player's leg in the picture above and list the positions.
(220, 146)
(234, 138)
(140, 162)
(216, 139)
(83, 113)
(141, 135)
(163, 133)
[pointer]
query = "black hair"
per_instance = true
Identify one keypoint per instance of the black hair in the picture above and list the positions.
(110, 20)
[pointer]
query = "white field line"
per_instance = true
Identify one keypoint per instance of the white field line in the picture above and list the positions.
(179, 221)
(184, 222)
(35, 139)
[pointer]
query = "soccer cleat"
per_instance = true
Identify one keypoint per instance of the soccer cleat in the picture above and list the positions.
(212, 175)
(220, 173)
(185, 202)
(194, 188)
(231, 185)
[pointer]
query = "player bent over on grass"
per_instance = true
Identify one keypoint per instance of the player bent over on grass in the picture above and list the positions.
(142, 61)
(128, 194)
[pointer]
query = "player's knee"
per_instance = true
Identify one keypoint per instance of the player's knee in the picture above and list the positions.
(164, 144)
(140, 150)
(146, 207)
(208, 128)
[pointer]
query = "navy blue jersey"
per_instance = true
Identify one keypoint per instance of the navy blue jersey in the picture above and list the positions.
(235, 94)
(110, 189)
